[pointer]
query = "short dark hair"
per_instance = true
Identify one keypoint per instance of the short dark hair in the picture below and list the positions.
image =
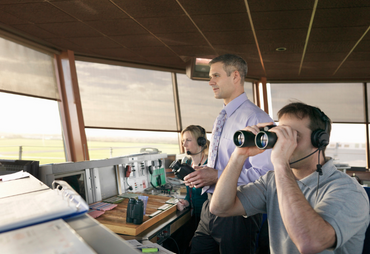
(232, 63)
(302, 110)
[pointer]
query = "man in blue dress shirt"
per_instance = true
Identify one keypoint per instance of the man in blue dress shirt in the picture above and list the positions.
(231, 234)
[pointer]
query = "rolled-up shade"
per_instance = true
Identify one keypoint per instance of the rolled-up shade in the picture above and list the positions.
(125, 98)
(26, 71)
(342, 102)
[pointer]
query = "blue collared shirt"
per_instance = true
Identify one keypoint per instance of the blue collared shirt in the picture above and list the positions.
(241, 112)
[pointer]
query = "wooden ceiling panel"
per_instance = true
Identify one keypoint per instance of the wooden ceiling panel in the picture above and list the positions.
(281, 20)
(363, 46)
(153, 51)
(179, 24)
(330, 46)
(281, 65)
(291, 48)
(196, 7)
(194, 38)
(281, 56)
(5, 2)
(70, 29)
(167, 61)
(324, 56)
(159, 33)
(281, 5)
(37, 12)
(282, 36)
(117, 53)
(95, 42)
(362, 74)
(337, 34)
(335, 4)
(353, 64)
(359, 56)
(10, 19)
(150, 9)
(65, 44)
(349, 17)
(230, 37)
(91, 9)
(247, 49)
(193, 51)
(278, 74)
(117, 27)
(222, 22)
(138, 40)
(34, 30)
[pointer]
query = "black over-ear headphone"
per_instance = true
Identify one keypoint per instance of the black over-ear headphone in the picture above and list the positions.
(319, 137)
(202, 141)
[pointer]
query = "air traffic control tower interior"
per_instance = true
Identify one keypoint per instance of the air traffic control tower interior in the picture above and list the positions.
(95, 95)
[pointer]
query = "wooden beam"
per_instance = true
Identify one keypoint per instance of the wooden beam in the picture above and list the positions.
(71, 108)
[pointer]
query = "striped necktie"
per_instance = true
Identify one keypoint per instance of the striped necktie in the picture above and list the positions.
(215, 140)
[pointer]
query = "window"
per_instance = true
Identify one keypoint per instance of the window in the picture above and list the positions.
(126, 98)
(197, 102)
(347, 144)
(343, 103)
(114, 143)
(26, 71)
(30, 129)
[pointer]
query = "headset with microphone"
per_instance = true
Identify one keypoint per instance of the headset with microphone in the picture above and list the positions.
(319, 138)
(201, 141)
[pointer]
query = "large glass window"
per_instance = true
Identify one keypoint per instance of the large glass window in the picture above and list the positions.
(113, 143)
(197, 102)
(126, 98)
(341, 102)
(348, 144)
(30, 129)
(26, 71)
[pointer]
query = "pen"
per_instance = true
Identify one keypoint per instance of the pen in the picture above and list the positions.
(148, 250)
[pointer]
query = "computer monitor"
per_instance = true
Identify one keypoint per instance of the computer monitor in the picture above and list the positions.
(12, 166)
(198, 68)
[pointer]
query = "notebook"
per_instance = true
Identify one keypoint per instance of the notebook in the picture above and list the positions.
(40, 206)
(49, 237)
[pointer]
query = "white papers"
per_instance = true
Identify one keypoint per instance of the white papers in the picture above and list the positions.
(55, 237)
(14, 176)
(36, 207)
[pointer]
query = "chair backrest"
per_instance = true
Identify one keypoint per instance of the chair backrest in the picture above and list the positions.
(366, 249)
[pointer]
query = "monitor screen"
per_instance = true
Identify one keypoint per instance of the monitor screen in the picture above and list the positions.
(198, 69)
(12, 166)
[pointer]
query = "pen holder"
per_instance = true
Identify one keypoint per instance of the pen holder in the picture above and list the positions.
(145, 201)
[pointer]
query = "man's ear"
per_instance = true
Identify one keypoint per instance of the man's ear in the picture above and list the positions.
(236, 77)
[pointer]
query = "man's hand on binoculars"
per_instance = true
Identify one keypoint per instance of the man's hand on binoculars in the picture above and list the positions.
(202, 176)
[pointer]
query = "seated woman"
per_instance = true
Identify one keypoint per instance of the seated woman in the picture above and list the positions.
(196, 145)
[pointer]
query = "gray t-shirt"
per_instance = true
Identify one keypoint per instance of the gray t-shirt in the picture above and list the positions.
(341, 201)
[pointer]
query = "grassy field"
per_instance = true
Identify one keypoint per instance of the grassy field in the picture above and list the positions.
(52, 151)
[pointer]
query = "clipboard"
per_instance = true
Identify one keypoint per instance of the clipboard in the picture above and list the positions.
(36, 207)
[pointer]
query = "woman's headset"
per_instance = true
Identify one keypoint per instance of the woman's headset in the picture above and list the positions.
(202, 141)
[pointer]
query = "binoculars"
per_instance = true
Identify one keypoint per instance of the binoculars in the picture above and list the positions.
(181, 169)
(135, 211)
(263, 140)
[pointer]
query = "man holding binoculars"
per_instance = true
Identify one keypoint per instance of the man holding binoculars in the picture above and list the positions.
(311, 206)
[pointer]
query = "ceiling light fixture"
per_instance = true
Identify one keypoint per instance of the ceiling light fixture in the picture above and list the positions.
(281, 49)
